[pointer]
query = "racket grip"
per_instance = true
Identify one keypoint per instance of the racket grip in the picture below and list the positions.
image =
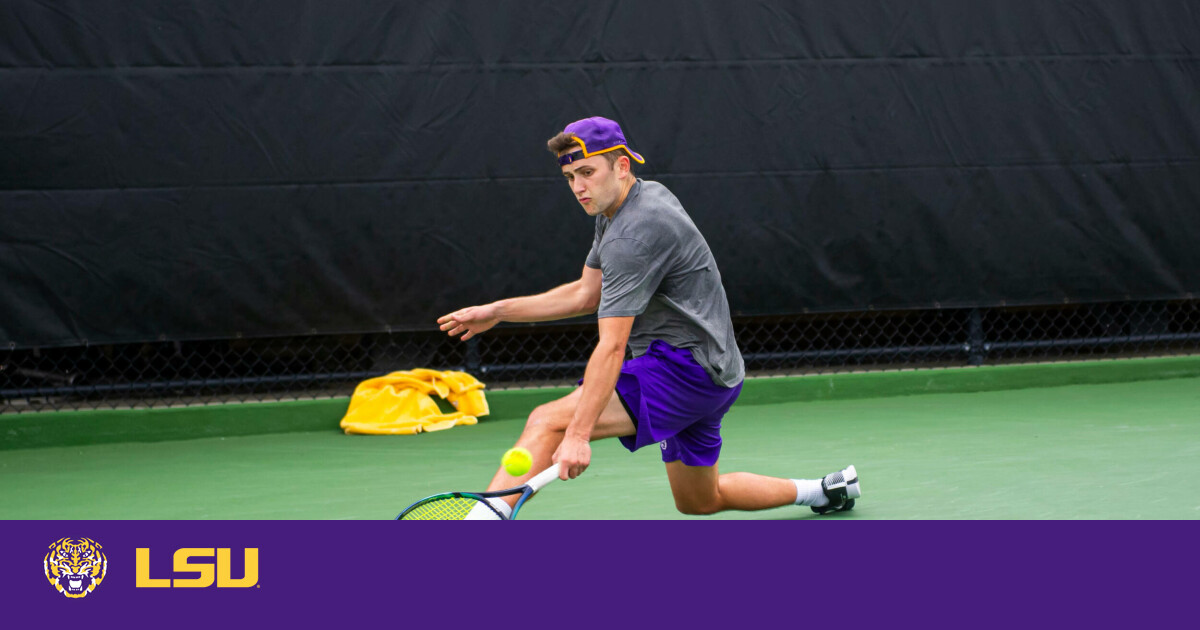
(541, 479)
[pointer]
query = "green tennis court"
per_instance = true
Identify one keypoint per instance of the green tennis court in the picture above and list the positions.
(1099, 440)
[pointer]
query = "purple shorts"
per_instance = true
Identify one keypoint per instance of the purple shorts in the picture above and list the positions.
(675, 403)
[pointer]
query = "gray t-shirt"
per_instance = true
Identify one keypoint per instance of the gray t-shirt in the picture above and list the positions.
(656, 266)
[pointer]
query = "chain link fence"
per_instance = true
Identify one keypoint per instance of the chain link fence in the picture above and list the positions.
(163, 374)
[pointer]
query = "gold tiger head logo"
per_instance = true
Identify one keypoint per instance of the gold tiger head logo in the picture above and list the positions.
(75, 566)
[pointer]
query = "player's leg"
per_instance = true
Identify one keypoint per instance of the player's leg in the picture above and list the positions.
(702, 490)
(693, 449)
(546, 426)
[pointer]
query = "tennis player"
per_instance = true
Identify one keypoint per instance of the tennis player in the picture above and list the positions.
(654, 286)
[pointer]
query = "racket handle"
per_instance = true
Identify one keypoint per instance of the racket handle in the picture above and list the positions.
(541, 479)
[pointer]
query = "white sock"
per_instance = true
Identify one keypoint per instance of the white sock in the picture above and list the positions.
(809, 492)
(481, 513)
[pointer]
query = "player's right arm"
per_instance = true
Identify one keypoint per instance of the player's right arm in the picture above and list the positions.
(569, 300)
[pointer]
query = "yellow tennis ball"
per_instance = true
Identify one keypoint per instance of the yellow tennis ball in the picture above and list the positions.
(516, 461)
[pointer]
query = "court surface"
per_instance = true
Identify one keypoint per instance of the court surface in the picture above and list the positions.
(1115, 450)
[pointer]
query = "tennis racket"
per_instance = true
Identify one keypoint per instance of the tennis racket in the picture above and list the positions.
(454, 506)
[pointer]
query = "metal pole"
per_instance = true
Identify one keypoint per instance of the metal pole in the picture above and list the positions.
(976, 346)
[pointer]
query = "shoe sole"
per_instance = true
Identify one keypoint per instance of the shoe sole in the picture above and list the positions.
(853, 490)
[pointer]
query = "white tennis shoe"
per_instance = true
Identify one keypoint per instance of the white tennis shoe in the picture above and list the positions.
(841, 488)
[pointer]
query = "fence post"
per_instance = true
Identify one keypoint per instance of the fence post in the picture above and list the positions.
(975, 349)
(473, 362)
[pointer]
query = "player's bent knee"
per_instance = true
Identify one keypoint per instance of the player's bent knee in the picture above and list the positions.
(543, 419)
(693, 508)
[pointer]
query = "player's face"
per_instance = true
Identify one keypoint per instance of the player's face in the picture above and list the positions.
(596, 183)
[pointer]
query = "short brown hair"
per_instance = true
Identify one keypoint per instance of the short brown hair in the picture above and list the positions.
(564, 142)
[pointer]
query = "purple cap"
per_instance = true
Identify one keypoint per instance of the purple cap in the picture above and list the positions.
(596, 135)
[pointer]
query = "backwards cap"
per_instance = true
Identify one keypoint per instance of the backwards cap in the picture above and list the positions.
(596, 135)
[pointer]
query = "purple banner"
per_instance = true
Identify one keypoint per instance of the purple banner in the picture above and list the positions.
(746, 574)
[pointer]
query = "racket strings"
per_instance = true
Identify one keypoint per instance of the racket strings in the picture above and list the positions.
(446, 508)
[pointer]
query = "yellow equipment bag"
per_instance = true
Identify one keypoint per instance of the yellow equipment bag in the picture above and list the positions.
(400, 403)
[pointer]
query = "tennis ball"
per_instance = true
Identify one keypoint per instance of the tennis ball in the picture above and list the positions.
(516, 461)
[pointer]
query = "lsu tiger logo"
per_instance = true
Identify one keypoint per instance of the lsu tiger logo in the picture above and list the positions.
(75, 566)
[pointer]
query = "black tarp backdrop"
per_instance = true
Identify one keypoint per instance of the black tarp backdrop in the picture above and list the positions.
(214, 169)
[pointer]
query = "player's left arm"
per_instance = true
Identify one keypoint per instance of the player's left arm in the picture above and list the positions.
(599, 381)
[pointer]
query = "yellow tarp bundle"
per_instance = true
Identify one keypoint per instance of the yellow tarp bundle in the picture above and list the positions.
(400, 403)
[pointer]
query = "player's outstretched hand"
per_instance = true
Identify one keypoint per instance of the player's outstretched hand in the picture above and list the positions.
(471, 321)
(573, 456)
